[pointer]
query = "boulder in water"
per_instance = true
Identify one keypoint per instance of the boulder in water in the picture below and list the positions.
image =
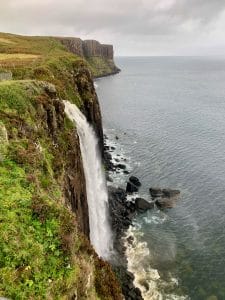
(126, 172)
(131, 188)
(135, 180)
(121, 166)
(155, 192)
(142, 205)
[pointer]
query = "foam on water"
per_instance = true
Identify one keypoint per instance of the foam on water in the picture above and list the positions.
(147, 279)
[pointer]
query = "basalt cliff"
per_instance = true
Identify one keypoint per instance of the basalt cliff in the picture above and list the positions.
(99, 56)
(45, 251)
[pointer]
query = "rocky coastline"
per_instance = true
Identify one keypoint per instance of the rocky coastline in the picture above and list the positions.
(124, 205)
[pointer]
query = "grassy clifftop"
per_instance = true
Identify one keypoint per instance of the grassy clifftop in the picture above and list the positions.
(44, 253)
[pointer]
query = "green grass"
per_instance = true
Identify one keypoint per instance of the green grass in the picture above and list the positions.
(32, 263)
(41, 58)
(43, 255)
(100, 66)
(15, 97)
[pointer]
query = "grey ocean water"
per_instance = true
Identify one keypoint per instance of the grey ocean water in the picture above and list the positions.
(169, 115)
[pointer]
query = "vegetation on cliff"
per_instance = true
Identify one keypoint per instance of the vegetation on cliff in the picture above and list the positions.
(44, 253)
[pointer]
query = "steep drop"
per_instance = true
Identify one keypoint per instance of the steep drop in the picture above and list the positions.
(100, 231)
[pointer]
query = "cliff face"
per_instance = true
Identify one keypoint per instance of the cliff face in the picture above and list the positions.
(99, 56)
(42, 185)
(88, 48)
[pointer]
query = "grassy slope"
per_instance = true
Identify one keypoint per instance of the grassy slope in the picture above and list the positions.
(42, 253)
(101, 67)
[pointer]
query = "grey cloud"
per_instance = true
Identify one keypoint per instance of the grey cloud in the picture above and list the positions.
(120, 19)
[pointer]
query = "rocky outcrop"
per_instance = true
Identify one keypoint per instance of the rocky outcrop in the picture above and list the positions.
(90, 108)
(74, 45)
(100, 56)
(87, 48)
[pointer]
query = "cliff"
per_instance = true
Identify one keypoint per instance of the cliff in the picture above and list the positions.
(99, 56)
(44, 227)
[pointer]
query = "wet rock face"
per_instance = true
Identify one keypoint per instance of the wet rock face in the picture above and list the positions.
(91, 107)
(68, 161)
(74, 183)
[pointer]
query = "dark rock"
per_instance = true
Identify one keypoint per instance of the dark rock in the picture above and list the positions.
(116, 137)
(108, 178)
(130, 239)
(135, 180)
(126, 172)
(121, 166)
(143, 205)
(155, 192)
(112, 148)
(131, 188)
(120, 194)
(107, 155)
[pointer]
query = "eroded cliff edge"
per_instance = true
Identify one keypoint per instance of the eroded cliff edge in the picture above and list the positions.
(99, 56)
(44, 250)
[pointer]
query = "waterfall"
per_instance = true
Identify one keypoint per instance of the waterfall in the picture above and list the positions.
(97, 195)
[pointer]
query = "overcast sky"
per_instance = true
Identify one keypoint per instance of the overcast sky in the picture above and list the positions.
(134, 27)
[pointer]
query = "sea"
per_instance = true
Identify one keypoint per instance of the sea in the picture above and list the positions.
(165, 116)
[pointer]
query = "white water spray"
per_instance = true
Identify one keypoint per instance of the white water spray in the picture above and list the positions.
(97, 196)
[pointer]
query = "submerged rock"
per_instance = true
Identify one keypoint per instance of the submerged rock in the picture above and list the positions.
(165, 202)
(170, 193)
(158, 192)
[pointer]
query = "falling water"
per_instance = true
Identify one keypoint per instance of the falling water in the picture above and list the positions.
(97, 196)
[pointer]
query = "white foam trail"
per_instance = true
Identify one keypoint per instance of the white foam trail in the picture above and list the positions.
(97, 195)
(95, 85)
(147, 279)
